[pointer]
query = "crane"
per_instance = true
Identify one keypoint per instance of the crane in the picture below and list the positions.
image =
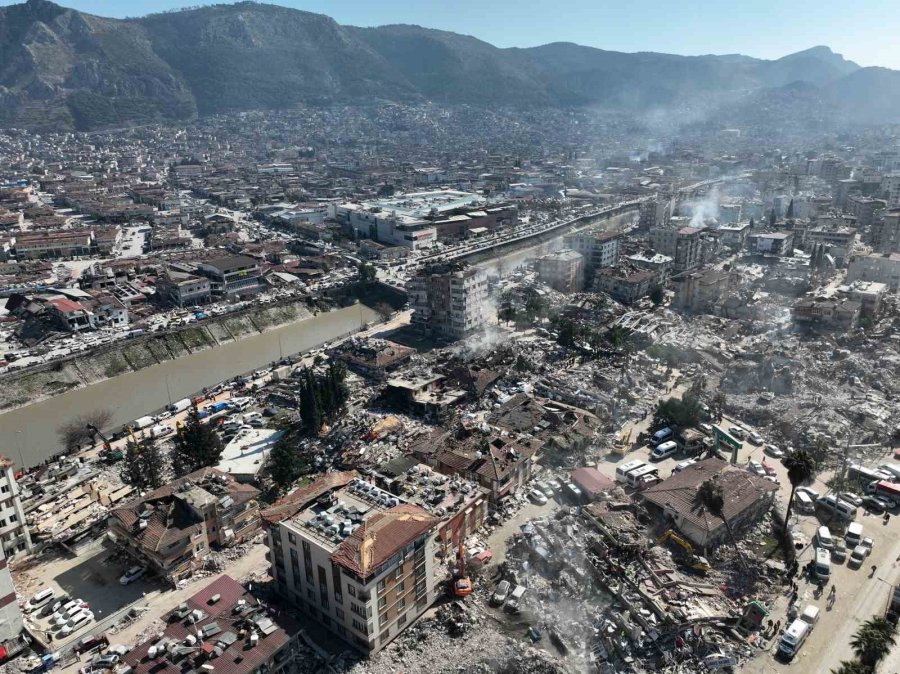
(462, 585)
(696, 562)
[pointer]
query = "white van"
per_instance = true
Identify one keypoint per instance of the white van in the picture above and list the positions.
(804, 503)
(824, 539)
(854, 534)
(663, 450)
(823, 564)
(623, 470)
(661, 435)
(837, 507)
(639, 476)
(793, 638)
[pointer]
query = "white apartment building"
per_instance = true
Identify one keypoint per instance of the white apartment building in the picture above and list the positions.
(599, 249)
(14, 536)
(448, 300)
(877, 267)
(357, 559)
(10, 615)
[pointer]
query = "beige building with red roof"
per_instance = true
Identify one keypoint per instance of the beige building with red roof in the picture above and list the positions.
(356, 558)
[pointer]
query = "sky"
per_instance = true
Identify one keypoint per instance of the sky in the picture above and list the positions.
(863, 31)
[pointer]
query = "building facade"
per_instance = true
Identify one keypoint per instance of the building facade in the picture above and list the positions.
(183, 289)
(599, 249)
(233, 276)
(11, 622)
(14, 536)
(683, 245)
(877, 267)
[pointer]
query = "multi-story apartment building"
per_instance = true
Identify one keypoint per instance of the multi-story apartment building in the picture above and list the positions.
(655, 213)
(11, 622)
(448, 300)
(562, 270)
(885, 236)
(599, 249)
(14, 535)
(683, 245)
(355, 558)
(878, 267)
(232, 276)
(173, 527)
(863, 209)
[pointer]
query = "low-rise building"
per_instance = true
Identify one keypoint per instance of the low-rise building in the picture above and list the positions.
(747, 497)
(183, 289)
(172, 528)
(869, 294)
(827, 313)
(62, 243)
(658, 263)
(562, 270)
(734, 234)
(224, 628)
(372, 357)
(357, 559)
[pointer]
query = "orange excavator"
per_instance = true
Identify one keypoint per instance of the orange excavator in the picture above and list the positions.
(462, 584)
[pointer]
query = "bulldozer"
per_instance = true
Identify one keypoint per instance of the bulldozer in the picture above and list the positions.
(696, 562)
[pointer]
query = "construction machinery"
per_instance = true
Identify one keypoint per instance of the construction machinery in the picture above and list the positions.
(696, 562)
(108, 454)
(462, 584)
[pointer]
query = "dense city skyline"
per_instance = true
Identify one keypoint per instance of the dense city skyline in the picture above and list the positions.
(760, 28)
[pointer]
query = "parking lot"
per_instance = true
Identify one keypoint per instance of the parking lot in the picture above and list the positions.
(92, 576)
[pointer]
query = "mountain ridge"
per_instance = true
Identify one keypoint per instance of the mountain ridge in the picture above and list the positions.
(64, 69)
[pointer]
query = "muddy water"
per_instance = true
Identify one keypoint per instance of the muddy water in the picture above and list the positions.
(28, 434)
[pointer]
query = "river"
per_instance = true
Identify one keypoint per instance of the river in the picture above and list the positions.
(29, 434)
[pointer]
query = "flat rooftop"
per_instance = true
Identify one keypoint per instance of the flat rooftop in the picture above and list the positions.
(422, 204)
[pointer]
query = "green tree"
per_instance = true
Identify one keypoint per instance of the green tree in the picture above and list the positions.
(367, 273)
(790, 210)
(684, 411)
(801, 469)
(310, 411)
(657, 295)
(143, 466)
(535, 307)
(285, 461)
(752, 224)
(568, 333)
(772, 218)
(873, 640)
(710, 496)
(195, 446)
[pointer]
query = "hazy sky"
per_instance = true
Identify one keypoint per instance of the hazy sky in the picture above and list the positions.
(864, 31)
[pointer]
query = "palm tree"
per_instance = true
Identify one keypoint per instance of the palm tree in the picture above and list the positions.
(873, 640)
(852, 667)
(801, 469)
(710, 496)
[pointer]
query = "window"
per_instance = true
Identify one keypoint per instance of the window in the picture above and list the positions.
(306, 549)
(13, 518)
(382, 602)
(384, 635)
(401, 621)
(398, 573)
(339, 612)
(360, 626)
(351, 590)
(401, 586)
(381, 585)
(292, 539)
(4, 489)
(401, 603)
(357, 609)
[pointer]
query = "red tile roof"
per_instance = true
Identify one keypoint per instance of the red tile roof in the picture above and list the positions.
(389, 532)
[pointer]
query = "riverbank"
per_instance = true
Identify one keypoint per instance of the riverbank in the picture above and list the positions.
(149, 380)
(19, 389)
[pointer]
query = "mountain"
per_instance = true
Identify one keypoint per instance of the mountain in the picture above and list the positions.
(63, 69)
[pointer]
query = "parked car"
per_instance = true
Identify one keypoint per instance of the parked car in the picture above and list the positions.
(757, 468)
(501, 592)
(67, 610)
(554, 484)
(545, 488)
(737, 432)
(105, 661)
(812, 493)
(132, 575)
(40, 599)
(858, 556)
(537, 496)
(756, 438)
(874, 504)
(852, 498)
(773, 451)
(839, 551)
(868, 543)
(79, 620)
